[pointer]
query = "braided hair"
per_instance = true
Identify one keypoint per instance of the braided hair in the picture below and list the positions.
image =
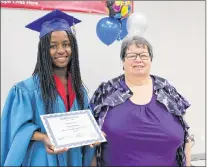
(44, 71)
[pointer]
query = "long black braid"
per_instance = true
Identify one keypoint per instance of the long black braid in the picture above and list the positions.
(44, 71)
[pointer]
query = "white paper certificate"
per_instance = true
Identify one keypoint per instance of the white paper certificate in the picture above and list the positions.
(72, 129)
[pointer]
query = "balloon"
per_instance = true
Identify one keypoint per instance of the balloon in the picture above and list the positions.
(127, 3)
(137, 24)
(124, 11)
(129, 9)
(116, 8)
(118, 3)
(117, 16)
(123, 32)
(107, 30)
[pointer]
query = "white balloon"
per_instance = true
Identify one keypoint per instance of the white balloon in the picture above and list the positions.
(136, 24)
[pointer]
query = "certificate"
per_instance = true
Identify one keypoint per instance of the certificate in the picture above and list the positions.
(72, 129)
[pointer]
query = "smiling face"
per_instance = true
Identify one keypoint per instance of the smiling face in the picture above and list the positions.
(137, 61)
(60, 49)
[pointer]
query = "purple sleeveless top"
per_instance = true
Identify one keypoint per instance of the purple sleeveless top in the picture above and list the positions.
(141, 135)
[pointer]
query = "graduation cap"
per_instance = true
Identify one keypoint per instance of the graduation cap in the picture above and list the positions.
(53, 21)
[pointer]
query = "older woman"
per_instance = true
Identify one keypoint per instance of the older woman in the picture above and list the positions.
(141, 114)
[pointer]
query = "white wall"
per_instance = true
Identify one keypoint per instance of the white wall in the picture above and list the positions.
(176, 31)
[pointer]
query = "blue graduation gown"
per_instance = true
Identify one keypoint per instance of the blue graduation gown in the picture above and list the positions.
(21, 118)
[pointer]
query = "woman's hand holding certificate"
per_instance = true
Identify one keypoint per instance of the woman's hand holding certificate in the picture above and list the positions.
(72, 129)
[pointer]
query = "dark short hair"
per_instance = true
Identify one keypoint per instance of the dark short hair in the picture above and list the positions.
(136, 40)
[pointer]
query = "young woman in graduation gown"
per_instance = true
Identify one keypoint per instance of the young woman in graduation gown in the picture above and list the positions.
(54, 87)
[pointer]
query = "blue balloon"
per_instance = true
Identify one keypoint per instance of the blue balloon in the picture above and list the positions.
(108, 29)
(124, 31)
(117, 16)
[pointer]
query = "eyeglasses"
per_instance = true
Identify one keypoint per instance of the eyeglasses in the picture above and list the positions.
(133, 56)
